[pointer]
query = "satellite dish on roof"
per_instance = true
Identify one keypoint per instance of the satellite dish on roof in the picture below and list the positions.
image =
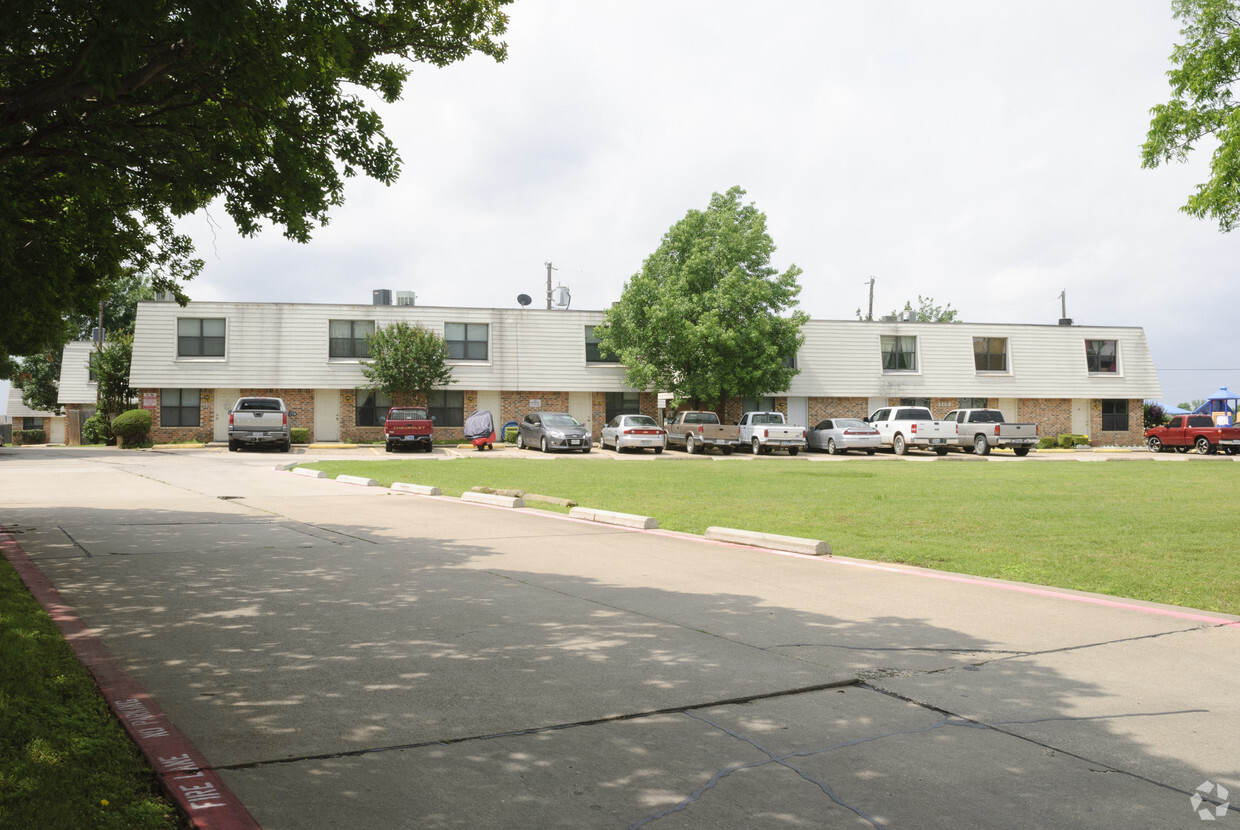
(524, 299)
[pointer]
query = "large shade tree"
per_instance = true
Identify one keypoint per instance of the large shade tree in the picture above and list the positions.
(118, 117)
(1203, 77)
(708, 318)
(407, 361)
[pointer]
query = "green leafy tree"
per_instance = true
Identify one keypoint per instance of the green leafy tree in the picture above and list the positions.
(1154, 415)
(1192, 405)
(1204, 71)
(37, 377)
(707, 318)
(407, 361)
(118, 117)
(927, 311)
(111, 368)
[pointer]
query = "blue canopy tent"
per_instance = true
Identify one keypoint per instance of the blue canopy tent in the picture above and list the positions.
(1222, 407)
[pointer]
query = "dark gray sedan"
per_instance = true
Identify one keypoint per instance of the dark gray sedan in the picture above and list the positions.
(553, 431)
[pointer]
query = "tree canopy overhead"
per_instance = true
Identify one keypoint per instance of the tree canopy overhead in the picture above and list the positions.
(706, 318)
(1206, 67)
(117, 116)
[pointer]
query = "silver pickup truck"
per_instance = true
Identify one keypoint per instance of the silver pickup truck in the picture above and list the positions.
(257, 421)
(980, 430)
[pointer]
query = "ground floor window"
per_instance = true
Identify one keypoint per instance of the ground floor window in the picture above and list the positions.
(32, 423)
(447, 407)
(1115, 416)
(622, 403)
(922, 402)
(757, 405)
(179, 408)
(972, 403)
(372, 407)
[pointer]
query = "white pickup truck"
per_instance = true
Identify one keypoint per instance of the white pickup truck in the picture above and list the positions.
(259, 421)
(979, 430)
(901, 427)
(766, 431)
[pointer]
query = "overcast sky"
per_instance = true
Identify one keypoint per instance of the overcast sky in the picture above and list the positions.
(983, 154)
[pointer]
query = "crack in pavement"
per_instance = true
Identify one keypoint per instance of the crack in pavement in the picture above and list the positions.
(783, 760)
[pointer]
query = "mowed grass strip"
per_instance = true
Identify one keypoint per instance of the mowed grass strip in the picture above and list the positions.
(65, 761)
(1164, 532)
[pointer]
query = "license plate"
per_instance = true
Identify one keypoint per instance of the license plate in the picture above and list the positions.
(573, 442)
(938, 440)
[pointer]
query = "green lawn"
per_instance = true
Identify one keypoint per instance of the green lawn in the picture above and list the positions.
(65, 761)
(1164, 532)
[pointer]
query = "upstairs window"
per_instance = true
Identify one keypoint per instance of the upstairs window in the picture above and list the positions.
(200, 336)
(466, 341)
(347, 338)
(179, 408)
(990, 354)
(899, 353)
(1100, 355)
(593, 355)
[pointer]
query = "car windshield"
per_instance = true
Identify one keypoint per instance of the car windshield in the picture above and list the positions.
(850, 423)
(986, 416)
(559, 420)
(640, 421)
(766, 418)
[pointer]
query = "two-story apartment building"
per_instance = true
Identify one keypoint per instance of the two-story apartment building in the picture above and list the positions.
(190, 364)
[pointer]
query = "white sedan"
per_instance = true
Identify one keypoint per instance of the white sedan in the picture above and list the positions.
(625, 432)
(839, 435)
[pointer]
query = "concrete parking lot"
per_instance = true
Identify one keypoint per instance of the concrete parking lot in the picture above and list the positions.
(338, 656)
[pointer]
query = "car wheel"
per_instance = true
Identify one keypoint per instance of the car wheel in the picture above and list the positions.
(940, 451)
(542, 444)
(691, 446)
(1202, 446)
(793, 450)
(658, 450)
(898, 444)
(756, 446)
(1154, 444)
(831, 448)
(869, 452)
(286, 446)
(233, 446)
(1021, 452)
(387, 446)
(727, 450)
(520, 441)
(980, 445)
(586, 449)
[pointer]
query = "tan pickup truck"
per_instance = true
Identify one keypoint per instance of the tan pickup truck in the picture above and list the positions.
(698, 431)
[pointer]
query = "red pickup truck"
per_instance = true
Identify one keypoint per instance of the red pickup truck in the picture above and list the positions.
(408, 426)
(1195, 431)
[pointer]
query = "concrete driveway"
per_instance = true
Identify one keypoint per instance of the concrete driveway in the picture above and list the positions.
(343, 656)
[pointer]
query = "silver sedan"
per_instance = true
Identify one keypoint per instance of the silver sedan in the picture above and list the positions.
(839, 435)
(625, 432)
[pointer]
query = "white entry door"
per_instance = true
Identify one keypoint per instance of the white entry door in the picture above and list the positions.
(326, 415)
(1080, 416)
(798, 412)
(580, 407)
(224, 399)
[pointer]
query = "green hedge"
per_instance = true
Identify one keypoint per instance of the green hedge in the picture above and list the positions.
(95, 430)
(1068, 440)
(300, 435)
(133, 426)
(29, 436)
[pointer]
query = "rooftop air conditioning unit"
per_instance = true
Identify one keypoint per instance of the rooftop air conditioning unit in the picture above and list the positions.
(381, 296)
(405, 297)
(908, 316)
(1065, 321)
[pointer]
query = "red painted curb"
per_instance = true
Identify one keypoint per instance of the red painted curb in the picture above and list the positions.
(182, 771)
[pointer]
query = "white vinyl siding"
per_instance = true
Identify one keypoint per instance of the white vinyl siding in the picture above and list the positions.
(75, 384)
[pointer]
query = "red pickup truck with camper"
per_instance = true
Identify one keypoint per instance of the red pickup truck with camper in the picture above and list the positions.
(1197, 432)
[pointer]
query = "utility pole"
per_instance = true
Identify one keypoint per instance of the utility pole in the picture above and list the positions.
(99, 334)
(548, 286)
(1063, 307)
(870, 313)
